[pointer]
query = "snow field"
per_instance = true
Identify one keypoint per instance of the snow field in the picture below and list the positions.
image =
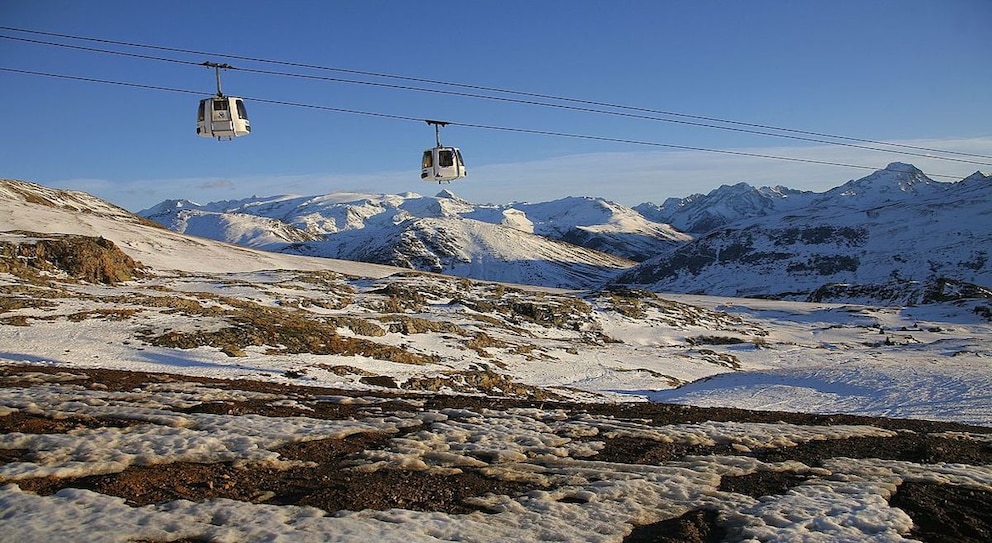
(917, 362)
(586, 500)
(164, 435)
(921, 362)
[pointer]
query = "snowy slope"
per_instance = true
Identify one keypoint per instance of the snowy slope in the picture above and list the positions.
(597, 224)
(34, 208)
(832, 358)
(238, 228)
(470, 248)
(887, 236)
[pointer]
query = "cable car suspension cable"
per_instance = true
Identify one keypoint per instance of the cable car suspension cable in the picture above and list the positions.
(478, 126)
(558, 106)
(520, 93)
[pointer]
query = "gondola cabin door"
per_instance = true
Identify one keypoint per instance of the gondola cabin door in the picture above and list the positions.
(442, 165)
(222, 117)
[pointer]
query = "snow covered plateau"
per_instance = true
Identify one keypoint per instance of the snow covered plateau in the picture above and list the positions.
(573, 398)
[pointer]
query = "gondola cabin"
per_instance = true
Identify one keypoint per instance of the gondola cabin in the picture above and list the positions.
(442, 165)
(222, 117)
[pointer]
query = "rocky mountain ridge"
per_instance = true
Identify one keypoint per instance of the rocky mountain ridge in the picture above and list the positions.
(445, 234)
(886, 237)
(892, 237)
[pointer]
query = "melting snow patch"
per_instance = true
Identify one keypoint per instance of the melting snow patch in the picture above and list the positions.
(835, 511)
(167, 436)
(583, 499)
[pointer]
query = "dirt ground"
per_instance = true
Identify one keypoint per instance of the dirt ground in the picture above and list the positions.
(941, 513)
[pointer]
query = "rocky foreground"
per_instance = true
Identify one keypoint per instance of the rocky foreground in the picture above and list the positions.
(484, 468)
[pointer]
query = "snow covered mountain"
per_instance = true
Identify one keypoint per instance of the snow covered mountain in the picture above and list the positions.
(898, 182)
(238, 228)
(892, 236)
(597, 224)
(29, 207)
(573, 242)
(895, 237)
(701, 213)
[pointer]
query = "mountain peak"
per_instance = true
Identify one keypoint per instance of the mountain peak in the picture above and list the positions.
(897, 181)
(902, 167)
(700, 213)
(447, 194)
(898, 175)
(977, 177)
(166, 207)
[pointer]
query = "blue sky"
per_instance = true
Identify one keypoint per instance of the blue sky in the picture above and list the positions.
(908, 71)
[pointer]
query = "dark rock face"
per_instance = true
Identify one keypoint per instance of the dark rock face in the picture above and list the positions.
(83, 258)
(820, 253)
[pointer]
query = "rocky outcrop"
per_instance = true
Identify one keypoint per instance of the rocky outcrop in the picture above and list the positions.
(83, 258)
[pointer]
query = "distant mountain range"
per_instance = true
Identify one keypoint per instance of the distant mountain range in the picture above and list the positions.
(892, 236)
(895, 236)
(570, 243)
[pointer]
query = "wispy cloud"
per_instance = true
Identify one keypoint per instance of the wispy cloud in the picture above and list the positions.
(629, 177)
(218, 184)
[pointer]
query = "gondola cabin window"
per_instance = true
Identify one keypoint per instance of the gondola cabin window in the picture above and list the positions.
(446, 158)
(428, 159)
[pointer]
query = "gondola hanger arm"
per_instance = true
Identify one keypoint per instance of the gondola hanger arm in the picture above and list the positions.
(437, 129)
(217, 68)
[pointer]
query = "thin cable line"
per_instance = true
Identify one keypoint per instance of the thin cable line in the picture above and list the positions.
(674, 146)
(557, 98)
(628, 115)
(95, 50)
(511, 100)
(201, 93)
(96, 80)
(469, 125)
